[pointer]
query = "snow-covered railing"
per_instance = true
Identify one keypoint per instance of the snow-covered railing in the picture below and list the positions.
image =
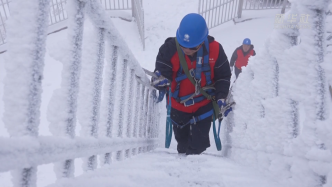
(264, 4)
(89, 94)
(138, 14)
(117, 4)
(4, 14)
(58, 15)
(282, 119)
(217, 12)
(57, 11)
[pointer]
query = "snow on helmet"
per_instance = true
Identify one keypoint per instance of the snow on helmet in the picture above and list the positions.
(192, 30)
(246, 41)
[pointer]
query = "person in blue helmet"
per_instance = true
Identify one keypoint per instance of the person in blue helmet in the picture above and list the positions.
(241, 56)
(191, 111)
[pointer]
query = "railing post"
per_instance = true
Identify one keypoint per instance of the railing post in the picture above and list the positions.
(142, 116)
(137, 111)
(110, 97)
(284, 4)
(199, 7)
(130, 109)
(132, 8)
(122, 98)
(23, 83)
(89, 118)
(239, 10)
(155, 115)
(98, 81)
(66, 97)
(138, 14)
(146, 110)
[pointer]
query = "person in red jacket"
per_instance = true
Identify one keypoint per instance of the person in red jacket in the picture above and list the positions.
(191, 112)
(241, 56)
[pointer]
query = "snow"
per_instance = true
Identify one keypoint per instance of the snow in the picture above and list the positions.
(24, 98)
(292, 133)
(276, 141)
(164, 167)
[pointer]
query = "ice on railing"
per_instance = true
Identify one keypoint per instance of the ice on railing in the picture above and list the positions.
(23, 89)
(131, 103)
(100, 19)
(24, 71)
(110, 80)
(63, 105)
(328, 29)
(91, 81)
(292, 138)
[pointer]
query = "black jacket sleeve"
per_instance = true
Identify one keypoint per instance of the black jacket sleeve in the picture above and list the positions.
(222, 75)
(234, 57)
(163, 60)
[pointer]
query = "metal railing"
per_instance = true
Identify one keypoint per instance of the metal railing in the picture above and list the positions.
(286, 100)
(57, 11)
(58, 14)
(117, 4)
(119, 123)
(4, 14)
(217, 12)
(264, 4)
(138, 14)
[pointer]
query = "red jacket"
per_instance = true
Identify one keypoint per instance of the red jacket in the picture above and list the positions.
(186, 87)
(168, 64)
(240, 58)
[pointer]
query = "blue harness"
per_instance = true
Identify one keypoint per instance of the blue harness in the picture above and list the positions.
(190, 99)
(202, 65)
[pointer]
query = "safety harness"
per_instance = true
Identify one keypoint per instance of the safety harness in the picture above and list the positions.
(202, 65)
(194, 75)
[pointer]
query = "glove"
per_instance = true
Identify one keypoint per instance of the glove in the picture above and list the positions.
(159, 81)
(224, 109)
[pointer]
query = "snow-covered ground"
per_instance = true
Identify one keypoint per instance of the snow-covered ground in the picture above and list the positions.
(164, 167)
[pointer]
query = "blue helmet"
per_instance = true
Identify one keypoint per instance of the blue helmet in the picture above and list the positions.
(192, 30)
(246, 41)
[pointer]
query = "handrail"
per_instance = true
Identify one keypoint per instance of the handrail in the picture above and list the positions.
(105, 131)
(58, 16)
(53, 149)
(219, 12)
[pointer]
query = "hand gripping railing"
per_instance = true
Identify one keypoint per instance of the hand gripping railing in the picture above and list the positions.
(109, 127)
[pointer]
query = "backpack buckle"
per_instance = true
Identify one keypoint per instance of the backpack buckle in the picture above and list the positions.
(197, 86)
(190, 102)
